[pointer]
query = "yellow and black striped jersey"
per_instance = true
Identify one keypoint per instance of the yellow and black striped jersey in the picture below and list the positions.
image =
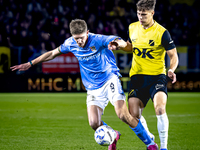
(149, 48)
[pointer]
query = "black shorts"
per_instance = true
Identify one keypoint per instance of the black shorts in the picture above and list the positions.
(145, 87)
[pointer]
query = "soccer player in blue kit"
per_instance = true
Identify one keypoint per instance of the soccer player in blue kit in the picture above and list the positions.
(100, 76)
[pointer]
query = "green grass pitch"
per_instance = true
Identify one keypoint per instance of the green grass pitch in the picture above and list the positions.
(58, 121)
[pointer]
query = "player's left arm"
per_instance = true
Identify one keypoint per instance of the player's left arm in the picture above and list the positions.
(170, 47)
(173, 64)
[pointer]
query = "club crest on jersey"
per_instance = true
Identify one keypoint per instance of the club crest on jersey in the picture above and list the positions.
(93, 48)
(151, 42)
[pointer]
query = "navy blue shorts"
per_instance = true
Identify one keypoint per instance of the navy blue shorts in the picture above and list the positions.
(145, 87)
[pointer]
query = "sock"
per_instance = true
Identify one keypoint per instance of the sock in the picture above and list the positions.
(163, 125)
(142, 134)
(103, 123)
(144, 123)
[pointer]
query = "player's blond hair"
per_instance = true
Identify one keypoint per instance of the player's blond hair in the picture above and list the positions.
(77, 26)
(146, 5)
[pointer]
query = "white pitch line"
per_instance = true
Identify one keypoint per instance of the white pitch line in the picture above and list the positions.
(183, 115)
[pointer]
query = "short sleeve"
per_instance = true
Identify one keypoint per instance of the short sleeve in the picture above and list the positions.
(64, 48)
(167, 41)
(107, 39)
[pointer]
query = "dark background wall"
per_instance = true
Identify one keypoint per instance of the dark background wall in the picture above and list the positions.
(32, 27)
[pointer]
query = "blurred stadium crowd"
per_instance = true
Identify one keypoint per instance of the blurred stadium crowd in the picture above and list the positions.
(36, 26)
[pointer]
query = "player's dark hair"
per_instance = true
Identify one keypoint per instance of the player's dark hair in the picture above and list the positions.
(77, 26)
(146, 5)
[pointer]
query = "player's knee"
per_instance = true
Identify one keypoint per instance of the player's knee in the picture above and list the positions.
(134, 114)
(160, 109)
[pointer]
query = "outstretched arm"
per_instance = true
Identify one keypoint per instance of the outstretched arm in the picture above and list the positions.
(44, 57)
(173, 64)
(120, 44)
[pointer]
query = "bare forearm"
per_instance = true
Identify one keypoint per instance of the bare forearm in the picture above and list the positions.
(44, 57)
(128, 48)
(173, 59)
(125, 46)
(172, 68)
(174, 62)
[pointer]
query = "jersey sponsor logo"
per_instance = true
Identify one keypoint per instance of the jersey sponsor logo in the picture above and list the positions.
(87, 58)
(151, 42)
(171, 42)
(143, 52)
(159, 86)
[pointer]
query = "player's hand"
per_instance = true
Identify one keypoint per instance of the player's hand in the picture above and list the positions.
(113, 45)
(21, 67)
(172, 76)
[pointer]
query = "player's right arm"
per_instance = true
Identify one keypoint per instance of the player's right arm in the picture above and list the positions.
(120, 44)
(44, 57)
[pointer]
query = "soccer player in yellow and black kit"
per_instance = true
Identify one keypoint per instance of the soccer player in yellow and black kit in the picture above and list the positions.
(149, 42)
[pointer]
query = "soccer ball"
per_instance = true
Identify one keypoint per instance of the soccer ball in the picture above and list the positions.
(105, 135)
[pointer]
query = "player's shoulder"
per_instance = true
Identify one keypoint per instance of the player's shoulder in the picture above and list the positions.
(99, 37)
(160, 27)
(134, 24)
(68, 44)
(94, 38)
(93, 35)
